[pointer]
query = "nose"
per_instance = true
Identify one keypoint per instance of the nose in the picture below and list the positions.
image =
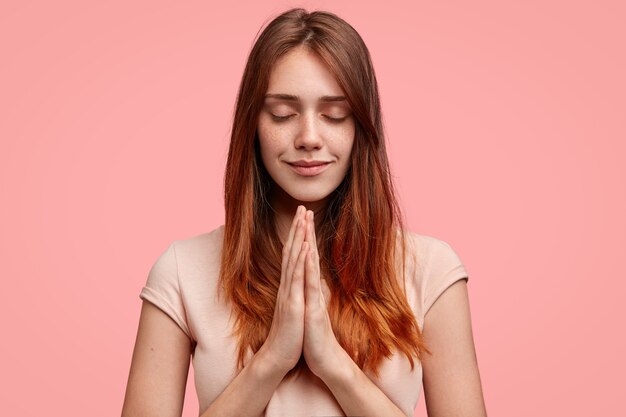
(309, 135)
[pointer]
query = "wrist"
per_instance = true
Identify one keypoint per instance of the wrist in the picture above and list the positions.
(266, 366)
(341, 372)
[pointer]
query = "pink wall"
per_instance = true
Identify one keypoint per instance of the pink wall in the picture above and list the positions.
(506, 130)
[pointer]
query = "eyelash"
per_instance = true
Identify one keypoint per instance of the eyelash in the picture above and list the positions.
(331, 119)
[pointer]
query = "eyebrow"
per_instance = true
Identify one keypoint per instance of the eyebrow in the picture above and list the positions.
(291, 97)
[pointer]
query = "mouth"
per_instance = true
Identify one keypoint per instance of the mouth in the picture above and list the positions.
(309, 169)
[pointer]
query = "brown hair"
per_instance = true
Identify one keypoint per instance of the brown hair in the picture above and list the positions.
(361, 225)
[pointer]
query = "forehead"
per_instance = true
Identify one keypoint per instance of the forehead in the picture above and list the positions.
(302, 73)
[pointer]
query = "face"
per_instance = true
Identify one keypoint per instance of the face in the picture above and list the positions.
(306, 129)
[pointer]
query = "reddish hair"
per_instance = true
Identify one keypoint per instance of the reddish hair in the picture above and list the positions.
(361, 229)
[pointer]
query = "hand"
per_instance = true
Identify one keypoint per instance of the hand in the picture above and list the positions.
(322, 351)
(285, 337)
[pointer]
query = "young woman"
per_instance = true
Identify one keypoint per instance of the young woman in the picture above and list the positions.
(311, 299)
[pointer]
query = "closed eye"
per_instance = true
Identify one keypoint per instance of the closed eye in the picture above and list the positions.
(336, 119)
(281, 118)
(332, 119)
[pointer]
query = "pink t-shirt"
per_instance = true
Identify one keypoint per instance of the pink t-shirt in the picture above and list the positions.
(183, 283)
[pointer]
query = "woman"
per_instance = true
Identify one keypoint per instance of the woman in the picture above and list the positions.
(311, 299)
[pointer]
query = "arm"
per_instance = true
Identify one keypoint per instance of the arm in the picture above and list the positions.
(160, 365)
(451, 381)
(452, 384)
(356, 393)
(249, 393)
(158, 376)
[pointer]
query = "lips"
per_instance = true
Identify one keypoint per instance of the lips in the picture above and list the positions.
(309, 168)
(303, 163)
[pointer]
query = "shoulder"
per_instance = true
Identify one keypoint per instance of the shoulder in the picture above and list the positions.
(200, 243)
(199, 252)
(187, 260)
(424, 241)
(427, 249)
(433, 265)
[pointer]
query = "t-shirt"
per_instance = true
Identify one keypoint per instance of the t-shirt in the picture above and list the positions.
(183, 283)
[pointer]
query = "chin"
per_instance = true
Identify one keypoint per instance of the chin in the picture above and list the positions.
(307, 194)
(305, 197)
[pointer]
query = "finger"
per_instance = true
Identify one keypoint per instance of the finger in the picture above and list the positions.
(309, 235)
(296, 246)
(310, 230)
(288, 263)
(313, 243)
(312, 290)
(314, 237)
(294, 222)
(292, 230)
(297, 281)
(289, 242)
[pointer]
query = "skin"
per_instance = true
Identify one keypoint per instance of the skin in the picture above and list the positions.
(314, 130)
(301, 324)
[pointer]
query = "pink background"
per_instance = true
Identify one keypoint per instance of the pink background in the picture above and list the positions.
(506, 129)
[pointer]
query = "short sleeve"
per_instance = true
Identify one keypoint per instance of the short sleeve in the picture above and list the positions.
(444, 269)
(163, 288)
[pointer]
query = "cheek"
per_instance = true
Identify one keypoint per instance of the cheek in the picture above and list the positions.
(271, 144)
(346, 142)
(272, 135)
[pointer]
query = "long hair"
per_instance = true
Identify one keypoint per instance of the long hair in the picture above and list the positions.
(362, 233)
